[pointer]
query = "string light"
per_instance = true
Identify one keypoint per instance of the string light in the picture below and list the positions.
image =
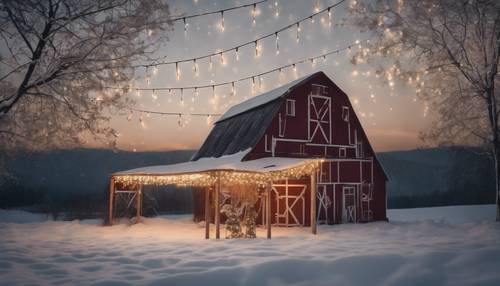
(253, 84)
(177, 71)
(210, 64)
(195, 67)
(329, 17)
(154, 95)
(277, 13)
(277, 44)
(182, 96)
(298, 32)
(237, 54)
(170, 95)
(293, 65)
(155, 70)
(256, 49)
(180, 120)
(185, 26)
(233, 90)
(222, 59)
(222, 21)
(209, 178)
(254, 13)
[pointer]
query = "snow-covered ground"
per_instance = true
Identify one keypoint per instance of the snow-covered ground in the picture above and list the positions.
(433, 246)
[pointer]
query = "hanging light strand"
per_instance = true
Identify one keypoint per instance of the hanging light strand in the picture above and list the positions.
(252, 42)
(144, 111)
(292, 65)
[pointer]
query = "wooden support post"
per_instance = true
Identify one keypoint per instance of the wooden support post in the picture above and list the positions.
(111, 200)
(268, 209)
(207, 213)
(314, 188)
(217, 207)
(138, 205)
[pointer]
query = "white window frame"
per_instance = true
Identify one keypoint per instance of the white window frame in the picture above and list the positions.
(291, 111)
(344, 151)
(345, 113)
(282, 125)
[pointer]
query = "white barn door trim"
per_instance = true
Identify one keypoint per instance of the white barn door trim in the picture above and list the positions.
(319, 117)
(349, 214)
(290, 201)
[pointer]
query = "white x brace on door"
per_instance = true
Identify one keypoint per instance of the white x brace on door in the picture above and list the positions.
(290, 204)
(319, 118)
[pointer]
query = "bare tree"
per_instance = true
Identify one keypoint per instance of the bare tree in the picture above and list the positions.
(449, 50)
(58, 56)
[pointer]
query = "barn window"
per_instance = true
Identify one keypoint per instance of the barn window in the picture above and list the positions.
(318, 89)
(345, 113)
(342, 152)
(290, 107)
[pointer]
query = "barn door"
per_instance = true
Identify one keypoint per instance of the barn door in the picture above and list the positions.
(323, 203)
(349, 204)
(290, 204)
(319, 119)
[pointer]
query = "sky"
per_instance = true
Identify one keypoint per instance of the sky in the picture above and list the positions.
(391, 116)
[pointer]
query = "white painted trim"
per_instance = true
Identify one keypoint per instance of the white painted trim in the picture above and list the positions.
(344, 151)
(291, 112)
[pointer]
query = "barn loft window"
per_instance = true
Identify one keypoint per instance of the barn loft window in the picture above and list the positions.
(345, 113)
(342, 152)
(318, 89)
(290, 107)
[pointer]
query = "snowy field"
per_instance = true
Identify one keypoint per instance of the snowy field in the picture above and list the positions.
(431, 246)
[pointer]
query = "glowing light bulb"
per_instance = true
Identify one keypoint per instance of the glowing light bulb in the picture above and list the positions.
(254, 13)
(138, 92)
(177, 71)
(233, 90)
(222, 21)
(170, 95)
(154, 95)
(294, 67)
(185, 26)
(222, 59)
(195, 67)
(298, 32)
(210, 64)
(155, 70)
(182, 96)
(277, 44)
(237, 54)
(253, 84)
(256, 49)
(329, 18)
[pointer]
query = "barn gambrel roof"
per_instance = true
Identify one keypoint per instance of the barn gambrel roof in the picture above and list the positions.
(244, 124)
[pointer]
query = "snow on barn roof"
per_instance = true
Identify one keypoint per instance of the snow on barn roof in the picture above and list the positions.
(262, 99)
(227, 163)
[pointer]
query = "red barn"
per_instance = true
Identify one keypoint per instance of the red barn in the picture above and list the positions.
(308, 118)
(299, 151)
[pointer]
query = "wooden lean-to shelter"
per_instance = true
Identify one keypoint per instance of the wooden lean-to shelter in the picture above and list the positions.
(300, 147)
